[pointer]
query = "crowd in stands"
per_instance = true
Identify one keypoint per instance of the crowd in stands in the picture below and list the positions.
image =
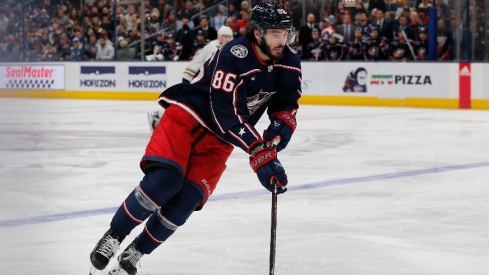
(174, 30)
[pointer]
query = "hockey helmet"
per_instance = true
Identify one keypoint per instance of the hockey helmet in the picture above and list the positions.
(272, 16)
(225, 30)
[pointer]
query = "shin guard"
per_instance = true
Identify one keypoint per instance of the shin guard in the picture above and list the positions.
(156, 188)
(162, 224)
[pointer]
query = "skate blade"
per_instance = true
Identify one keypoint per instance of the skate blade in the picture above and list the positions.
(114, 270)
(93, 270)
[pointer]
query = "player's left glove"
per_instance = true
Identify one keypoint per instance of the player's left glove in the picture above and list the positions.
(283, 126)
(268, 168)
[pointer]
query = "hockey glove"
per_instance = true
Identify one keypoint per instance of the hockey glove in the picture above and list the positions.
(267, 167)
(283, 125)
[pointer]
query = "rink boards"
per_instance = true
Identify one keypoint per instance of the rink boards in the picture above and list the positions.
(413, 84)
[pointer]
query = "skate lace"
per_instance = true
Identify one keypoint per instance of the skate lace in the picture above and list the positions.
(109, 247)
(132, 255)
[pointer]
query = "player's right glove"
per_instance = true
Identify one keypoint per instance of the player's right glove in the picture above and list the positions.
(267, 167)
(283, 126)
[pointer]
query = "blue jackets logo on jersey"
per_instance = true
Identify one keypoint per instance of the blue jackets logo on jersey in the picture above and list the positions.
(239, 51)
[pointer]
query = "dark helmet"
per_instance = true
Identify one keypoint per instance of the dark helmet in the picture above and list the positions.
(271, 16)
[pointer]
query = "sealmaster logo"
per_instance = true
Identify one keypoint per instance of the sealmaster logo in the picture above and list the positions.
(98, 76)
(147, 77)
(32, 77)
(29, 72)
(388, 79)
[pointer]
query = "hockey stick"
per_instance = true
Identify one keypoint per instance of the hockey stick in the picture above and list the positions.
(273, 233)
(409, 45)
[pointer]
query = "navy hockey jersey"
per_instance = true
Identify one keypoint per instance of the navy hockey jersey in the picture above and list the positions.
(233, 88)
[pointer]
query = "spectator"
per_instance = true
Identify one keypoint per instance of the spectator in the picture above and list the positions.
(105, 51)
(327, 29)
(442, 9)
(305, 33)
(403, 26)
(363, 23)
(154, 24)
(230, 23)
(185, 38)
(386, 28)
(219, 20)
(187, 12)
(3, 21)
(406, 6)
(65, 52)
(48, 52)
(125, 53)
(209, 32)
(376, 4)
(170, 24)
(425, 4)
(347, 29)
(76, 50)
(245, 8)
(243, 23)
(130, 12)
(233, 11)
(359, 9)
(415, 23)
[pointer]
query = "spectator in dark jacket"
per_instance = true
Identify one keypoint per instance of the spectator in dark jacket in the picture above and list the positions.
(209, 31)
(185, 36)
(376, 4)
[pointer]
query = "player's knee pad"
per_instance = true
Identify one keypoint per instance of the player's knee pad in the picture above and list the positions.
(157, 187)
(182, 205)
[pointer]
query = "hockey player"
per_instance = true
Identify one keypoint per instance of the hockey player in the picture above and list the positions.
(204, 119)
(376, 47)
(399, 49)
(354, 48)
(313, 49)
(421, 46)
(224, 35)
(333, 48)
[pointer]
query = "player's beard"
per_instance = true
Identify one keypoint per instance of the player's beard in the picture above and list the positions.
(267, 50)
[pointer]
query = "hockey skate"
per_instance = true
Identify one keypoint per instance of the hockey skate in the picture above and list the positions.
(104, 251)
(153, 119)
(127, 261)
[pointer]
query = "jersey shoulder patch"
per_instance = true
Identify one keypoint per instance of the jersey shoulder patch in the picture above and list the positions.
(239, 51)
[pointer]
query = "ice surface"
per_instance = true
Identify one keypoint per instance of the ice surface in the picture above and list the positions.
(372, 191)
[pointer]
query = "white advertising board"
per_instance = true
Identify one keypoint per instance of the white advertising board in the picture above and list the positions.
(375, 79)
(32, 77)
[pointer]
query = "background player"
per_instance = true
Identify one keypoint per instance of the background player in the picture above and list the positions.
(224, 35)
(204, 119)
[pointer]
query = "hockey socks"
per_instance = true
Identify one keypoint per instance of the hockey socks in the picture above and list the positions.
(156, 188)
(162, 224)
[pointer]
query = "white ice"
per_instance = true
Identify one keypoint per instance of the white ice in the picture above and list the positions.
(371, 191)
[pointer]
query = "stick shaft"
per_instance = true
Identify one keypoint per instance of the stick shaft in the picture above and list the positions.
(273, 237)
